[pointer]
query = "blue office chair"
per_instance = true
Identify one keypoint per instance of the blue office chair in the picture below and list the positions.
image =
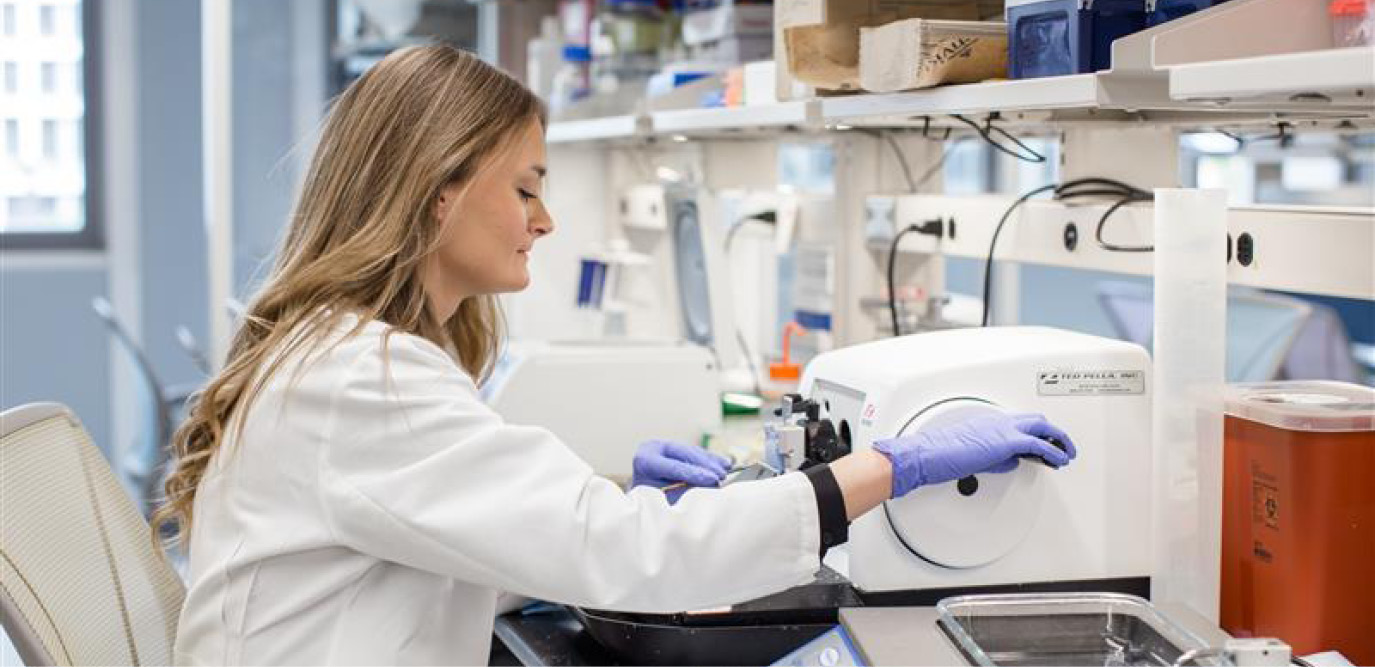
(1262, 329)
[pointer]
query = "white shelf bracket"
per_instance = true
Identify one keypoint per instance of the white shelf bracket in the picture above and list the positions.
(1146, 157)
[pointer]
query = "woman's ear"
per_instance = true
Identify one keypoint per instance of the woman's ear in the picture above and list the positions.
(442, 203)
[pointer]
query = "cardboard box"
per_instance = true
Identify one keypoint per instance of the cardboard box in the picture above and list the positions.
(816, 42)
(920, 53)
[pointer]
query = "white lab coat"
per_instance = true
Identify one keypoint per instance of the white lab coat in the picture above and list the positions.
(373, 509)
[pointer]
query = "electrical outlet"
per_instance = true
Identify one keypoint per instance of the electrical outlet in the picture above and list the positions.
(642, 207)
(880, 213)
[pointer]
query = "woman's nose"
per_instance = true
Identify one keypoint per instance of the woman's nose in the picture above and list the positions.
(542, 224)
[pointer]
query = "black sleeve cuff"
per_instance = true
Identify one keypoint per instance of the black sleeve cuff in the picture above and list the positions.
(830, 507)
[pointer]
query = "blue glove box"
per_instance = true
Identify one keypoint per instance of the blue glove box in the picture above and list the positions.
(1162, 11)
(1058, 37)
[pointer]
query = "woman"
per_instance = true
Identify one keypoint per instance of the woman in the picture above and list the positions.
(354, 501)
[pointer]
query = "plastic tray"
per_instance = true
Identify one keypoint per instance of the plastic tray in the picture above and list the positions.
(757, 632)
(1069, 629)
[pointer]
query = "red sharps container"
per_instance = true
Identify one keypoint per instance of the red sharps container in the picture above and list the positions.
(1298, 516)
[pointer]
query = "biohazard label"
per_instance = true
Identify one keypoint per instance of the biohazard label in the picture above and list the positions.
(1265, 513)
(1090, 383)
(1265, 504)
(1265, 501)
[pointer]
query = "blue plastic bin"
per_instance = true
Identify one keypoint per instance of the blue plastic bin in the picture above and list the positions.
(1163, 11)
(1058, 37)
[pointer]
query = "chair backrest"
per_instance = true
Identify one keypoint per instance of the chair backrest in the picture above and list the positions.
(1322, 350)
(141, 465)
(1261, 326)
(80, 581)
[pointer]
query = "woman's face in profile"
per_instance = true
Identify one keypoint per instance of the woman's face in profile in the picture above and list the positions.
(486, 234)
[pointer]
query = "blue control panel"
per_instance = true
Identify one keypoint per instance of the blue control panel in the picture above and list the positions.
(829, 650)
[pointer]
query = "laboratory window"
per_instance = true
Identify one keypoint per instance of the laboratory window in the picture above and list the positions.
(1275, 166)
(969, 167)
(26, 208)
(42, 214)
(47, 77)
(47, 20)
(54, 138)
(12, 138)
(50, 139)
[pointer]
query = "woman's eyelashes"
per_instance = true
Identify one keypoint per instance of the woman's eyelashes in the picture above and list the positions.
(525, 195)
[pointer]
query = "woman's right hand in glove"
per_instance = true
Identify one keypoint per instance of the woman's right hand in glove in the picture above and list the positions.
(990, 443)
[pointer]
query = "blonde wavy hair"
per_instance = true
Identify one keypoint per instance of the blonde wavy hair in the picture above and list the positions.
(421, 120)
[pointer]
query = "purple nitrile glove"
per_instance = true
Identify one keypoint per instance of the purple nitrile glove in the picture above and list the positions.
(989, 443)
(660, 463)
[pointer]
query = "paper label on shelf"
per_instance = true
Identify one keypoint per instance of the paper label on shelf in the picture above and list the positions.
(1090, 383)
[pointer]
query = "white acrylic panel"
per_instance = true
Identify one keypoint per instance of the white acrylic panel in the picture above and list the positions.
(1189, 367)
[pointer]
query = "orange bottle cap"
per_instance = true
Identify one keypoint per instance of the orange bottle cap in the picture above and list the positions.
(784, 371)
(1354, 8)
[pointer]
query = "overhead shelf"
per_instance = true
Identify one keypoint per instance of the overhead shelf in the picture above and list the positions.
(610, 127)
(1316, 85)
(688, 122)
(800, 113)
(1051, 93)
(1332, 83)
(1179, 73)
(1080, 92)
(1322, 80)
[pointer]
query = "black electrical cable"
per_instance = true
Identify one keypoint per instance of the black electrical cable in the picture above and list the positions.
(932, 227)
(1103, 221)
(892, 278)
(1106, 187)
(1084, 193)
(926, 130)
(765, 217)
(986, 131)
(1241, 141)
(1074, 189)
(1281, 135)
(1103, 186)
(993, 245)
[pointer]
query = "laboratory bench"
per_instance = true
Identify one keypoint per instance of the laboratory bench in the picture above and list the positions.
(887, 635)
(753, 632)
(877, 630)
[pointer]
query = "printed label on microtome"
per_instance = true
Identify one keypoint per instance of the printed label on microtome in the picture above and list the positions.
(1090, 383)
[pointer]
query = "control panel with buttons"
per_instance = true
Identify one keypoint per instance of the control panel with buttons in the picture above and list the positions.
(831, 649)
